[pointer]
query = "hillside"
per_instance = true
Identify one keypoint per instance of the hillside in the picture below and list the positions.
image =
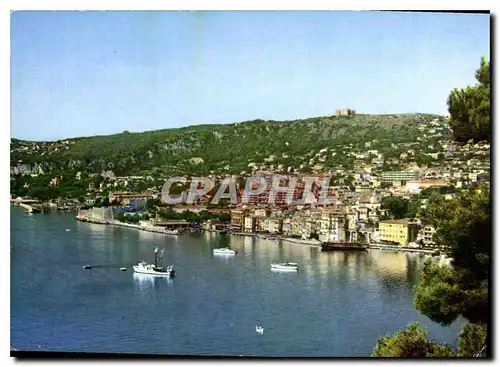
(313, 144)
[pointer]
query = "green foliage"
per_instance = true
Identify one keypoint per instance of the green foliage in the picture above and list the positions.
(438, 296)
(410, 342)
(168, 152)
(396, 206)
(472, 339)
(469, 108)
(464, 225)
(200, 217)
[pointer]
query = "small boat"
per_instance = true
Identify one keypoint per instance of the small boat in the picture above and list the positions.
(259, 329)
(221, 231)
(171, 231)
(123, 269)
(154, 269)
(87, 267)
(289, 266)
(68, 230)
(224, 251)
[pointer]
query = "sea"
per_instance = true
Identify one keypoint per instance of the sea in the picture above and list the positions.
(336, 305)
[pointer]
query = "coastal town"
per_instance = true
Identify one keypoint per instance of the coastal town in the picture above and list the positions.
(358, 209)
(267, 184)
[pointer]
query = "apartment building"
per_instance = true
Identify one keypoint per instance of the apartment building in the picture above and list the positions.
(428, 234)
(401, 231)
(391, 176)
(238, 219)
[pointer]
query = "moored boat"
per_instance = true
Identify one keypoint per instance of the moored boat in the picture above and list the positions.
(154, 269)
(224, 251)
(288, 266)
(342, 246)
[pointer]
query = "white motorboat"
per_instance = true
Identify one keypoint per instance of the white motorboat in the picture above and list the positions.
(259, 329)
(224, 251)
(154, 269)
(289, 266)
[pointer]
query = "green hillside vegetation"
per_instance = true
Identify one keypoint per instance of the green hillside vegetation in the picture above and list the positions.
(202, 149)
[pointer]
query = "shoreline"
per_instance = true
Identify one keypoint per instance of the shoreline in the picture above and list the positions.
(314, 243)
(114, 222)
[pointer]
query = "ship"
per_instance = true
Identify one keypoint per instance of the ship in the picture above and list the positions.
(342, 246)
(331, 244)
(154, 269)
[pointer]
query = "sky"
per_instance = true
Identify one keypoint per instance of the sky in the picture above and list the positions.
(93, 73)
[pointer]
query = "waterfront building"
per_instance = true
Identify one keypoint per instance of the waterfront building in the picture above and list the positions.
(259, 224)
(171, 224)
(298, 224)
(249, 224)
(273, 225)
(135, 200)
(287, 226)
(212, 225)
(333, 228)
(428, 234)
(401, 231)
(238, 219)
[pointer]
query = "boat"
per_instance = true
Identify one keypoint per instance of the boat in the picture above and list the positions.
(123, 269)
(342, 246)
(332, 244)
(87, 267)
(259, 329)
(154, 269)
(171, 231)
(289, 266)
(221, 231)
(224, 251)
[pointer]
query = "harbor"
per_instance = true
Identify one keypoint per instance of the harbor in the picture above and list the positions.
(333, 300)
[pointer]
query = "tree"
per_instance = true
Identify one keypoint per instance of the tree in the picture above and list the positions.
(397, 207)
(469, 108)
(445, 293)
(463, 225)
(472, 340)
(413, 342)
(410, 342)
(413, 208)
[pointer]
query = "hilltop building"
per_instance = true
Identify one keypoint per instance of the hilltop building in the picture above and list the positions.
(345, 112)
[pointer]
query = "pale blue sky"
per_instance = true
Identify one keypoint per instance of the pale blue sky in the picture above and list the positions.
(87, 73)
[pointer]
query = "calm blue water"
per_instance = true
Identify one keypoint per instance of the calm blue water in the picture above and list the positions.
(337, 305)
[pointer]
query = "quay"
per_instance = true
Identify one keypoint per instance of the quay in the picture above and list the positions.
(114, 222)
(28, 207)
(280, 238)
(400, 249)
